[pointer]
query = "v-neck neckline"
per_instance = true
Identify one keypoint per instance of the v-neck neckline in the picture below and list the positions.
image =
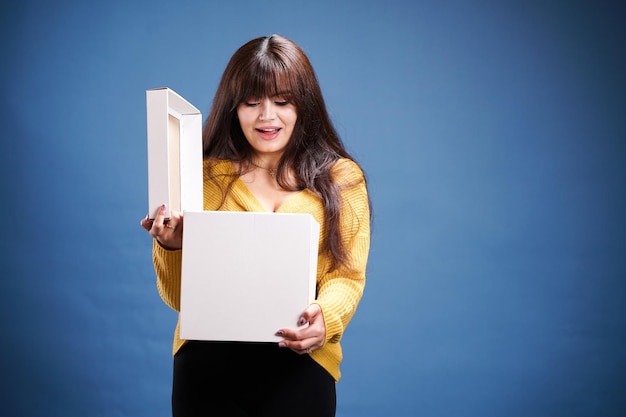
(257, 202)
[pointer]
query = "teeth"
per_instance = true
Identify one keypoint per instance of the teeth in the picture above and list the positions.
(268, 130)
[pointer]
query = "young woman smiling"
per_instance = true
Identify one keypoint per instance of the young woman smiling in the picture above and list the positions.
(269, 145)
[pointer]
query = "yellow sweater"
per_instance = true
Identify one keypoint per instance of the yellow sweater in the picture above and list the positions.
(338, 292)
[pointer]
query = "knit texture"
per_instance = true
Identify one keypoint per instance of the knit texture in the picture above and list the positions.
(338, 292)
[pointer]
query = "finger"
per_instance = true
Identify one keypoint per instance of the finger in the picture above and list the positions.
(288, 334)
(159, 215)
(298, 346)
(309, 315)
(170, 234)
(146, 223)
(158, 223)
(301, 340)
(301, 347)
(175, 221)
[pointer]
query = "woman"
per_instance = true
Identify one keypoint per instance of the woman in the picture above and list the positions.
(269, 145)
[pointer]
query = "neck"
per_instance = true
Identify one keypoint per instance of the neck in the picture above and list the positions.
(271, 169)
(264, 163)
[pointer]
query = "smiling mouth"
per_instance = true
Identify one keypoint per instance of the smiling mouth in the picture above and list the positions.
(274, 130)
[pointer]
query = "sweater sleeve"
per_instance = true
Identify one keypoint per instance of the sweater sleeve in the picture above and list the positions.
(340, 291)
(167, 265)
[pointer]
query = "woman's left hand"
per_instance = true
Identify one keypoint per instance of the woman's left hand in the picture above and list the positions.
(306, 339)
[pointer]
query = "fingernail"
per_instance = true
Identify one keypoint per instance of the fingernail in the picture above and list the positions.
(281, 345)
(163, 208)
(279, 333)
(302, 321)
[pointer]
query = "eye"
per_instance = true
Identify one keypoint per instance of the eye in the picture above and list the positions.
(281, 101)
(252, 102)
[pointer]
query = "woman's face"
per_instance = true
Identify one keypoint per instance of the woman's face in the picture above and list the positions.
(267, 123)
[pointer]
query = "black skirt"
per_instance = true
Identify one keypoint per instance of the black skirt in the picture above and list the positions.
(249, 379)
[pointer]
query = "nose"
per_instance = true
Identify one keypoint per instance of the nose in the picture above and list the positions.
(267, 110)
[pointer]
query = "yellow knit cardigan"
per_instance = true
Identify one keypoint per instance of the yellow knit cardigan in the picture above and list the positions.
(338, 292)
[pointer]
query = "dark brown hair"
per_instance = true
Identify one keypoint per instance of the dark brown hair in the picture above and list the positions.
(266, 67)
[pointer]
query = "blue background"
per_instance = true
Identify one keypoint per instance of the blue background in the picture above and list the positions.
(493, 134)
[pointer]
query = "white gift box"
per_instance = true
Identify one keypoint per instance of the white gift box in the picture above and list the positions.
(174, 152)
(245, 275)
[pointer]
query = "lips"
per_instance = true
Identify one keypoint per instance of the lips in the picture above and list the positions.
(268, 132)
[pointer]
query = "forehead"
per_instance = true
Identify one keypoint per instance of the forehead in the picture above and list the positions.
(267, 78)
(269, 86)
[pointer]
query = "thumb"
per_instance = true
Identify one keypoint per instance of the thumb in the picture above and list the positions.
(308, 315)
(303, 320)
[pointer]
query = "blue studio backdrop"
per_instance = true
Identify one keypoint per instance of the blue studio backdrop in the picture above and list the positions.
(493, 135)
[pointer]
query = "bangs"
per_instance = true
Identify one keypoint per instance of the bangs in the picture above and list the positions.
(266, 77)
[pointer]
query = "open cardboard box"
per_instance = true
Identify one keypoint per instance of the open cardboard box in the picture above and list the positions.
(174, 152)
(245, 275)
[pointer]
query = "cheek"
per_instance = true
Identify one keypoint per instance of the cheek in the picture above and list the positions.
(244, 121)
(293, 118)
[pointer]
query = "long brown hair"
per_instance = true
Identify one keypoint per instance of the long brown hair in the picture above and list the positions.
(266, 67)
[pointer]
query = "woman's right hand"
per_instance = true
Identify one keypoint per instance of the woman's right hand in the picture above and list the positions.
(169, 233)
